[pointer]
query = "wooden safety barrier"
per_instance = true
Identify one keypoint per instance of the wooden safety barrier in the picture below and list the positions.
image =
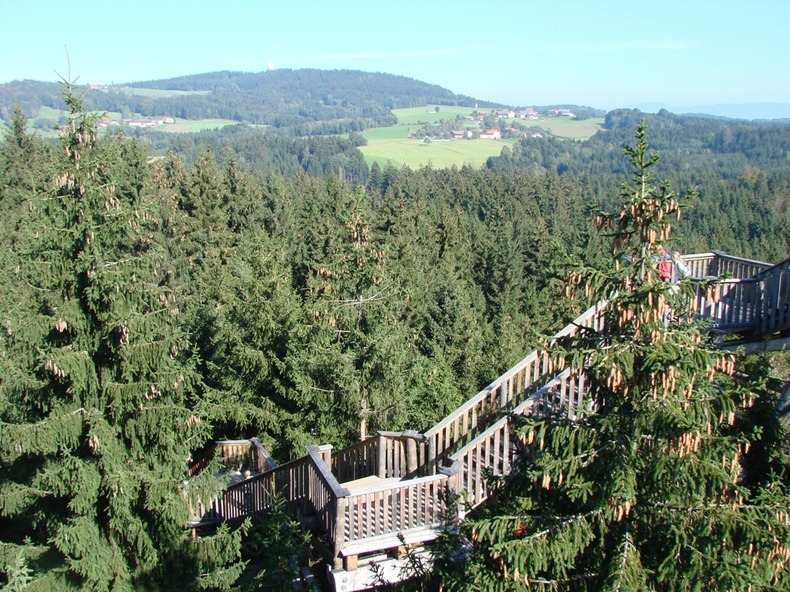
(513, 386)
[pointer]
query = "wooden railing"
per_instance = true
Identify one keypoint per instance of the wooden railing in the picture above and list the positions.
(394, 508)
(513, 386)
(385, 455)
(760, 304)
(491, 452)
(774, 314)
(718, 264)
(326, 498)
(357, 461)
(233, 454)
(736, 267)
(255, 494)
(305, 485)
(729, 304)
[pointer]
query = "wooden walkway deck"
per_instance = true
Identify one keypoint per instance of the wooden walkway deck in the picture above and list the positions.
(390, 489)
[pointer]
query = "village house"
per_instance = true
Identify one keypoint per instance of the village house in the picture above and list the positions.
(461, 134)
(148, 122)
(106, 121)
(492, 134)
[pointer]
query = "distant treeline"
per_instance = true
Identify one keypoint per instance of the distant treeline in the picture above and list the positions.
(262, 153)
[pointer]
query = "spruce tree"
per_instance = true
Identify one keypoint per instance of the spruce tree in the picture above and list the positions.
(647, 488)
(97, 389)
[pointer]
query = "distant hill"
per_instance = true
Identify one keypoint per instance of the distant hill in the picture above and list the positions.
(749, 111)
(297, 102)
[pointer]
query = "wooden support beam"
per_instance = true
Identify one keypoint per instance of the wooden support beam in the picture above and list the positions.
(350, 562)
(399, 552)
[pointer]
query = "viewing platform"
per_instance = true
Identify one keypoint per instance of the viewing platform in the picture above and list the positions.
(369, 501)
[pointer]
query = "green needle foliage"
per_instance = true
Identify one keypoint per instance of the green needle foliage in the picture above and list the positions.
(648, 488)
(97, 382)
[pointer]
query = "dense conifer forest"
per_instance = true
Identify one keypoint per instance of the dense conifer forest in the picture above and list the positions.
(273, 287)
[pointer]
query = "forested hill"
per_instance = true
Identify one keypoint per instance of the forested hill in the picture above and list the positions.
(687, 143)
(333, 88)
(740, 170)
(303, 102)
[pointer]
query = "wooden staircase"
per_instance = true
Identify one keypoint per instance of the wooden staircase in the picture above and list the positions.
(389, 490)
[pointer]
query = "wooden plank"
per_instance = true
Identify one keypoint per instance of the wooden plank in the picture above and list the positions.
(498, 452)
(478, 472)
(391, 540)
(486, 460)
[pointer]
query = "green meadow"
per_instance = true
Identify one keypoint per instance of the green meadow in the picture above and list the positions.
(403, 150)
(47, 118)
(567, 128)
(428, 114)
(393, 144)
(185, 126)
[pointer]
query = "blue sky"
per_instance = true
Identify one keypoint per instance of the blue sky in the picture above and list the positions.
(604, 54)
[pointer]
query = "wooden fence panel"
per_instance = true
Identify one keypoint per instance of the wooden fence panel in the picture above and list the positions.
(775, 305)
(357, 461)
(410, 504)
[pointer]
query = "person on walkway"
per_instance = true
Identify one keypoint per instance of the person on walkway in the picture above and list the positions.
(680, 269)
(663, 262)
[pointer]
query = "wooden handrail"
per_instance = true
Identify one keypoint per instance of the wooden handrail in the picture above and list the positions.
(775, 310)
(198, 464)
(324, 473)
(356, 461)
(736, 267)
(759, 304)
(326, 497)
(511, 386)
(263, 460)
(240, 453)
(490, 452)
(772, 269)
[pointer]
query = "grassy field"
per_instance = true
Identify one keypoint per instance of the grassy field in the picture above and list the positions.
(393, 145)
(47, 118)
(428, 114)
(566, 128)
(395, 132)
(400, 151)
(183, 126)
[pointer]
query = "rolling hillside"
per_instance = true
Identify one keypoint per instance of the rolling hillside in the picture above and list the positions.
(296, 102)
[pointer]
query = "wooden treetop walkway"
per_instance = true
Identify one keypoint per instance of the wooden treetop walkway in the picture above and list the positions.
(389, 489)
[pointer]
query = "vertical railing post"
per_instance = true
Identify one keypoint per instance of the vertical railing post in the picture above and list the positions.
(381, 462)
(325, 452)
(411, 452)
(339, 534)
(454, 487)
(432, 460)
